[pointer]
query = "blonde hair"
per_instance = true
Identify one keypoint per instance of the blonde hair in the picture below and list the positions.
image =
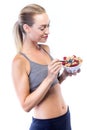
(25, 17)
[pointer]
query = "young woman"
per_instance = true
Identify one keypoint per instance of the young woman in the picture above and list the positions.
(35, 72)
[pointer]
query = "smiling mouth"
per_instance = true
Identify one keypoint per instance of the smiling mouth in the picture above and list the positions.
(45, 37)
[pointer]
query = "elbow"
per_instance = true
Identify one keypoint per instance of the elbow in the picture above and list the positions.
(26, 108)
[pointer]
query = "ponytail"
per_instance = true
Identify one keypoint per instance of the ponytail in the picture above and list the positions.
(18, 36)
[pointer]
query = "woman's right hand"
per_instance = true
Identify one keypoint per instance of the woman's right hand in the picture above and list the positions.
(53, 68)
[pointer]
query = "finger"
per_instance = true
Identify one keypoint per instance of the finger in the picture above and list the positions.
(79, 70)
(55, 68)
(55, 63)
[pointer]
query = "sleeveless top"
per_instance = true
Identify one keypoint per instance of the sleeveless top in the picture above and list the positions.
(38, 73)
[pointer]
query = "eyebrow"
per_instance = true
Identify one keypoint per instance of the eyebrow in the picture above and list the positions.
(44, 25)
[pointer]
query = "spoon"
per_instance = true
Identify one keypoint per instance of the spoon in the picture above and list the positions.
(68, 61)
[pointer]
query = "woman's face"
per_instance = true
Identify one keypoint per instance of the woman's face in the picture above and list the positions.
(40, 29)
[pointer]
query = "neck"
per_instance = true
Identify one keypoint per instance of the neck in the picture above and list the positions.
(31, 46)
(37, 46)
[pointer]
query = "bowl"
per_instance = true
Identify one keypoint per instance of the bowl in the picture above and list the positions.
(72, 63)
(72, 69)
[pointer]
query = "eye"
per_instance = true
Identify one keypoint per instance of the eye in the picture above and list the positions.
(42, 28)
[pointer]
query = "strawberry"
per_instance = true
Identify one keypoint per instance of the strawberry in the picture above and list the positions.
(64, 57)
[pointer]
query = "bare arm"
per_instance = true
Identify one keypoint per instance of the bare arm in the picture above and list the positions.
(21, 82)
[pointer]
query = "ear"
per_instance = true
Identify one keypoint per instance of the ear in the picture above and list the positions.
(26, 28)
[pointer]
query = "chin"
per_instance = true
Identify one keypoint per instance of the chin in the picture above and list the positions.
(43, 41)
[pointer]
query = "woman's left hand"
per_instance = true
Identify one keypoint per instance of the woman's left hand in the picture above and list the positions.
(70, 74)
(65, 74)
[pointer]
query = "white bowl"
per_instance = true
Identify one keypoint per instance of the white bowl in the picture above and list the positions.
(72, 69)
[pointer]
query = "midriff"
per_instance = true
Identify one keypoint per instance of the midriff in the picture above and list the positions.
(53, 105)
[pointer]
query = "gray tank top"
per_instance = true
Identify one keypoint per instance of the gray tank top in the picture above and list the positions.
(37, 74)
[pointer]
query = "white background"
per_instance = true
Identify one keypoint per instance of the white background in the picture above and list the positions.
(68, 36)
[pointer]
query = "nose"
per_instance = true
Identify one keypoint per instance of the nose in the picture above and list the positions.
(47, 30)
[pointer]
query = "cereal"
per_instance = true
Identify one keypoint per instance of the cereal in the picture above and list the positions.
(71, 61)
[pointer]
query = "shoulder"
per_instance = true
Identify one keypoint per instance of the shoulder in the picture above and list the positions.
(46, 47)
(18, 61)
(20, 64)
